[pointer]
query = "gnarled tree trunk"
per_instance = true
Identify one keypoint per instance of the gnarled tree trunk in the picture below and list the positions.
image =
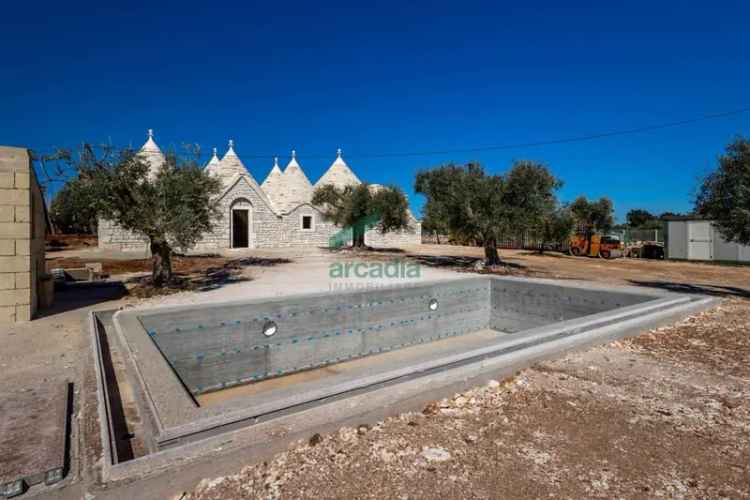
(358, 236)
(161, 259)
(491, 257)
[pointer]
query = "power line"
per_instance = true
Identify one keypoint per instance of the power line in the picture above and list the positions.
(524, 145)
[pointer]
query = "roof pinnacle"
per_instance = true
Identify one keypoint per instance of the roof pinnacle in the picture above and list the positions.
(338, 153)
(231, 143)
(294, 153)
(275, 161)
(151, 133)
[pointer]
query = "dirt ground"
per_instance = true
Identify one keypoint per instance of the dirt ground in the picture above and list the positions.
(680, 276)
(663, 414)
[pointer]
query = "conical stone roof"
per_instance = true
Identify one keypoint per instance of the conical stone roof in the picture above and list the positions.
(231, 165)
(339, 174)
(274, 182)
(231, 170)
(295, 186)
(152, 155)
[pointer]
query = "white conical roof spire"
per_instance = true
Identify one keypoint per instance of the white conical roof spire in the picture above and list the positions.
(213, 163)
(339, 174)
(152, 155)
(295, 188)
(231, 165)
(293, 161)
(274, 183)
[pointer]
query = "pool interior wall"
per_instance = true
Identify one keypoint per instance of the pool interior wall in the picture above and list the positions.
(223, 346)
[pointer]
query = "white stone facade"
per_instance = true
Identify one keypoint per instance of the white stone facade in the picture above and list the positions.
(279, 213)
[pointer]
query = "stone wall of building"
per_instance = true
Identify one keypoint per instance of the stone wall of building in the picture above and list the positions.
(294, 235)
(113, 237)
(395, 239)
(22, 230)
(269, 230)
(264, 222)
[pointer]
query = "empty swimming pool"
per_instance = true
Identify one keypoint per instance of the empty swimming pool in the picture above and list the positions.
(201, 371)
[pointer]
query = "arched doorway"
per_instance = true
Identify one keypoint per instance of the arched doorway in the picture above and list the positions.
(241, 224)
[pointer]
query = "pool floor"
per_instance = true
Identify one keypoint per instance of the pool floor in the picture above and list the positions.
(302, 382)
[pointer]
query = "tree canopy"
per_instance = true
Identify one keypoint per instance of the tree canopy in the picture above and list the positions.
(72, 210)
(638, 217)
(172, 209)
(555, 227)
(476, 205)
(363, 205)
(593, 216)
(724, 194)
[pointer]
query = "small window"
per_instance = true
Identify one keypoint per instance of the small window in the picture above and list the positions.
(307, 222)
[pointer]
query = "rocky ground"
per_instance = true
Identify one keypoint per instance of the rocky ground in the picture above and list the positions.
(665, 414)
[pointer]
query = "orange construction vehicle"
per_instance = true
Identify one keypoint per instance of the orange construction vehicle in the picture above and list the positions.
(607, 247)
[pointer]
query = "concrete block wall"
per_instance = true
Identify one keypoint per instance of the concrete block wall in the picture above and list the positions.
(22, 229)
(521, 305)
(215, 347)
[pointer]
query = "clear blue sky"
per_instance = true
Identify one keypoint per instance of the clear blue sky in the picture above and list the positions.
(391, 78)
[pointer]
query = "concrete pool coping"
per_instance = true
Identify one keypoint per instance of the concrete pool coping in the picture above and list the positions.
(186, 425)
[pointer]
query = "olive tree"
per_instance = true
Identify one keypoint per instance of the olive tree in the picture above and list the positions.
(358, 207)
(484, 207)
(555, 226)
(593, 216)
(72, 209)
(724, 194)
(172, 208)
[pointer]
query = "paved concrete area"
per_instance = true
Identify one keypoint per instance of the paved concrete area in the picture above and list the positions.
(34, 434)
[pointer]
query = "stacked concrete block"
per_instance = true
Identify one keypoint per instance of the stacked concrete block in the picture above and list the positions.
(22, 229)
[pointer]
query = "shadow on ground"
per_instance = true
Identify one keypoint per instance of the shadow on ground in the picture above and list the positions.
(365, 250)
(79, 295)
(702, 289)
(548, 253)
(205, 280)
(466, 263)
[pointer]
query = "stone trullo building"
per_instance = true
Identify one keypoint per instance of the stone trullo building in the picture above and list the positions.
(276, 213)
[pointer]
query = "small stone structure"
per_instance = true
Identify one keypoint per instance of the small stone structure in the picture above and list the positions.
(276, 213)
(22, 230)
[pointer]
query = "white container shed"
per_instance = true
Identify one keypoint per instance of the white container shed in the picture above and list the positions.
(694, 238)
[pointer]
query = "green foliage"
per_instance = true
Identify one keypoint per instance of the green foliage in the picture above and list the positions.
(555, 227)
(355, 206)
(432, 219)
(477, 206)
(724, 195)
(593, 216)
(72, 210)
(530, 195)
(172, 209)
(638, 218)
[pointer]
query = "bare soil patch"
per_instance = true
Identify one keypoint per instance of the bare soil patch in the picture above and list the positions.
(191, 273)
(679, 276)
(643, 418)
(57, 242)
